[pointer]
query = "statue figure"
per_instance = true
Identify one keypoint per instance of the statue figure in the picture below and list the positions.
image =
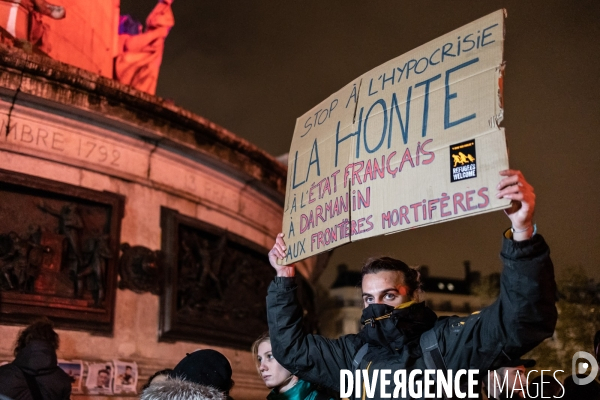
(140, 52)
(211, 263)
(50, 10)
(21, 259)
(38, 30)
(70, 224)
(35, 258)
(14, 258)
(200, 265)
(97, 251)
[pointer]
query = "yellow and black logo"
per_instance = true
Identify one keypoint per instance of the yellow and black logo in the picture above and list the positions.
(463, 164)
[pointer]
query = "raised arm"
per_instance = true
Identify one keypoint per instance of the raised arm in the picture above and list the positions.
(514, 187)
(278, 253)
(524, 313)
(311, 357)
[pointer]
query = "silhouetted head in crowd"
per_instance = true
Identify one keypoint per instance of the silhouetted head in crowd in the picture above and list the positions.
(158, 376)
(205, 367)
(41, 329)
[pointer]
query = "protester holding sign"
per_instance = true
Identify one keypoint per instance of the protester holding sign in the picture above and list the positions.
(403, 337)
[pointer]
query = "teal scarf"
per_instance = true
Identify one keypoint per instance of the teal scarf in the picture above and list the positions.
(300, 391)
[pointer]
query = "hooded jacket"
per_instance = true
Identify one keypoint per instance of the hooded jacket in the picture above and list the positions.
(37, 359)
(523, 316)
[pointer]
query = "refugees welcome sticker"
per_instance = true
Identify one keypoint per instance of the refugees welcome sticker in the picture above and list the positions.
(463, 161)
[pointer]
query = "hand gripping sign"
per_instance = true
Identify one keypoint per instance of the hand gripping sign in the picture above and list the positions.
(410, 143)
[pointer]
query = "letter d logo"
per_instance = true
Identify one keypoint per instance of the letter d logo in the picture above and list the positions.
(576, 367)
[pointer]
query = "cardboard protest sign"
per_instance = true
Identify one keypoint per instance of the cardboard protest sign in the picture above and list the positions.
(410, 143)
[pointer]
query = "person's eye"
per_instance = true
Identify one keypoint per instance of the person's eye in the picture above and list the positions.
(270, 356)
(259, 359)
(368, 299)
(389, 296)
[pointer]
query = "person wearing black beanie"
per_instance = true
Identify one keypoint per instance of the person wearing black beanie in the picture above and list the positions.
(205, 367)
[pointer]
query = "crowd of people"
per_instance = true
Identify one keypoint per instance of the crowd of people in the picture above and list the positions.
(34, 374)
(400, 333)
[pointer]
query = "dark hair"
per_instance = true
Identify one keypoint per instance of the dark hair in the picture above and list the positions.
(103, 371)
(412, 277)
(41, 329)
(205, 367)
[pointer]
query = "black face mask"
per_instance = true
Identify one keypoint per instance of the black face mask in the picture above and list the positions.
(395, 328)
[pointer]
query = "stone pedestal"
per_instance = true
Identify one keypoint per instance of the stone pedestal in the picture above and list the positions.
(73, 127)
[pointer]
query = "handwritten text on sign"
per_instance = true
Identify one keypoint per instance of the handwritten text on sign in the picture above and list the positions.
(412, 142)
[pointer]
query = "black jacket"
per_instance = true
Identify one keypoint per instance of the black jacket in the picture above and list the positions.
(38, 359)
(523, 316)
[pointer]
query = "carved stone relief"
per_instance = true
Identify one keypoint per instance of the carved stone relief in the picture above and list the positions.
(58, 246)
(140, 269)
(215, 285)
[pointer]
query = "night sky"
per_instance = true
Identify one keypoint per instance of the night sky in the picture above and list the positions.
(255, 66)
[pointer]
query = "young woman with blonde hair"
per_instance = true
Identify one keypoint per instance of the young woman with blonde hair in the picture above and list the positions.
(284, 385)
